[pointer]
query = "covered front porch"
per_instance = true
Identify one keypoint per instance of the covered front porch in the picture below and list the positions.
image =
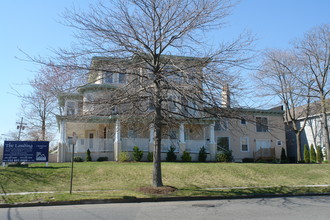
(110, 139)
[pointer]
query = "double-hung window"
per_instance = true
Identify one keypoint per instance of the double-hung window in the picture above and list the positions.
(262, 124)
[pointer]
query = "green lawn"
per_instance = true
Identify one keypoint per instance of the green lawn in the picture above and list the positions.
(110, 180)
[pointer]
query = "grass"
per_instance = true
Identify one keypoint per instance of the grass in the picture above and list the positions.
(111, 180)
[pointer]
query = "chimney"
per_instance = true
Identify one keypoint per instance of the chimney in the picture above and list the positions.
(225, 102)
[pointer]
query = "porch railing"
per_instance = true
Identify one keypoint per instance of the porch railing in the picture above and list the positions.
(107, 145)
(264, 153)
(94, 145)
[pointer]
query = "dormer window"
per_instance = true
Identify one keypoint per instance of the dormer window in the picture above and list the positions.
(108, 77)
(121, 78)
(70, 108)
(111, 77)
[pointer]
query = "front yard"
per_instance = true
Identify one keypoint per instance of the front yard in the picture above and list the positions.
(112, 180)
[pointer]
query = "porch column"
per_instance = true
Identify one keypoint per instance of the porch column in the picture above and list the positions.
(182, 141)
(117, 142)
(151, 137)
(62, 143)
(212, 145)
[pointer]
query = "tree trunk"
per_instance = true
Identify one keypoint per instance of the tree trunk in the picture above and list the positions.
(324, 122)
(298, 146)
(43, 130)
(157, 171)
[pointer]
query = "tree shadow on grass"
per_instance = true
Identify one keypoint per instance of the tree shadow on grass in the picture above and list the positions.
(21, 176)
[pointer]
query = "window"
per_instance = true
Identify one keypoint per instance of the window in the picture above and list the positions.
(122, 78)
(171, 104)
(262, 124)
(243, 121)
(91, 140)
(70, 108)
(221, 125)
(223, 143)
(108, 77)
(244, 144)
(173, 134)
(151, 106)
(132, 133)
(279, 143)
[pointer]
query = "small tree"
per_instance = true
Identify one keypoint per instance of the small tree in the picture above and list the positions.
(283, 156)
(171, 156)
(306, 154)
(137, 153)
(319, 154)
(186, 157)
(312, 154)
(150, 156)
(202, 155)
(88, 155)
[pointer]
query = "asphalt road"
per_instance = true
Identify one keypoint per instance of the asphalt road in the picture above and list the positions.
(316, 207)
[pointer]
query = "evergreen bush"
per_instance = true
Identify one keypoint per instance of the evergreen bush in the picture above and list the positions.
(248, 160)
(225, 156)
(88, 155)
(137, 153)
(202, 155)
(312, 154)
(171, 156)
(78, 159)
(150, 156)
(283, 156)
(186, 156)
(319, 154)
(100, 159)
(306, 154)
(124, 157)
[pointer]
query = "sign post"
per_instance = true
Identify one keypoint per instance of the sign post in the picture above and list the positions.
(74, 139)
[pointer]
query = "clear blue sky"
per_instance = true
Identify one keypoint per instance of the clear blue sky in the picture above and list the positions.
(32, 25)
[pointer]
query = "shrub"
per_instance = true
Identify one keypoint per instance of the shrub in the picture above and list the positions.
(150, 156)
(248, 160)
(312, 154)
(100, 159)
(283, 156)
(137, 153)
(202, 155)
(171, 156)
(186, 156)
(225, 156)
(306, 154)
(88, 156)
(78, 159)
(319, 154)
(124, 157)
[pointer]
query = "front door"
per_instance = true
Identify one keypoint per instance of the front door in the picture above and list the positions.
(90, 140)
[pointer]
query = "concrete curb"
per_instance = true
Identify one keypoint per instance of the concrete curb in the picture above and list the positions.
(163, 199)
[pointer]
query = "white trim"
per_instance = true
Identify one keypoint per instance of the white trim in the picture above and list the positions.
(247, 142)
(229, 148)
(261, 116)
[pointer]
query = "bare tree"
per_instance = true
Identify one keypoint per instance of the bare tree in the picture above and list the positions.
(148, 42)
(39, 107)
(278, 77)
(314, 54)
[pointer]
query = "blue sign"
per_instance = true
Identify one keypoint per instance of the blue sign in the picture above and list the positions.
(25, 151)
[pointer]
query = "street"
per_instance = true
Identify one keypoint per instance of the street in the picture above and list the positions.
(314, 207)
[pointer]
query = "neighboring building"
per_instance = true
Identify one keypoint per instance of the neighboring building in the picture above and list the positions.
(257, 134)
(312, 133)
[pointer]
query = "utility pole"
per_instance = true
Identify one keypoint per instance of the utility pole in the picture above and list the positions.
(20, 127)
